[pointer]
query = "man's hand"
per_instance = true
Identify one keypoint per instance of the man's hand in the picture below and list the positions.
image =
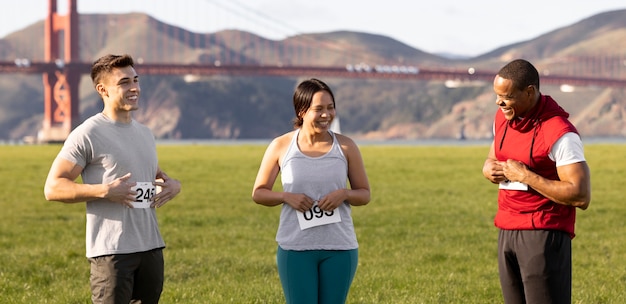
(120, 191)
(493, 171)
(514, 170)
(169, 189)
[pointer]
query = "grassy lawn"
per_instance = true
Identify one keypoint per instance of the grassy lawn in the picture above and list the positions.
(426, 237)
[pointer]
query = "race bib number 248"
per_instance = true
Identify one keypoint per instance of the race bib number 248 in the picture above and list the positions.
(145, 194)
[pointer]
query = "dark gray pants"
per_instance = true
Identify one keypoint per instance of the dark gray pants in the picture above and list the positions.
(535, 266)
(127, 278)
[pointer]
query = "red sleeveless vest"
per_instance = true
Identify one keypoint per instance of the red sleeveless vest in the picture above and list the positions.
(530, 140)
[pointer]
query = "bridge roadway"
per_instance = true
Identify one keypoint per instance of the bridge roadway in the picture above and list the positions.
(424, 74)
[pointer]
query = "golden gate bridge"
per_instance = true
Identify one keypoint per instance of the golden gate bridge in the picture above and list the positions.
(62, 65)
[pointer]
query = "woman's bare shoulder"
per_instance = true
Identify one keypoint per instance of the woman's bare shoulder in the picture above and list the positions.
(345, 141)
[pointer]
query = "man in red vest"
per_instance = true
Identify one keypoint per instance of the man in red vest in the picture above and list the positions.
(537, 159)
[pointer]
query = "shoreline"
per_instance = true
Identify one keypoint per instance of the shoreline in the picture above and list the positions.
(360, 142)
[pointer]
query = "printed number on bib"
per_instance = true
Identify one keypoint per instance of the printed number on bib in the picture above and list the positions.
(317, 217)
(145, 194)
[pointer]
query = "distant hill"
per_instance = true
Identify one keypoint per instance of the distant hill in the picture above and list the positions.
(260, 107)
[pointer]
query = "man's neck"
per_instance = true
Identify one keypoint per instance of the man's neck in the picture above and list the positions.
(118, 116)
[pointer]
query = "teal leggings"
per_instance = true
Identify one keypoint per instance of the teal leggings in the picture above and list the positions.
(316, 276)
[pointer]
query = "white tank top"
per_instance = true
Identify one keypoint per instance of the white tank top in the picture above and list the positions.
(315, 177)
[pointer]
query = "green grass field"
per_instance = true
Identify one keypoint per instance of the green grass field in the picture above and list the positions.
(427, 236)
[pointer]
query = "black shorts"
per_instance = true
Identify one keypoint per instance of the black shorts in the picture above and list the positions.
(535, 266)
(125, 278)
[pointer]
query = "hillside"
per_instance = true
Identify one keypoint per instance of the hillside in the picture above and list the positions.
(254, 107)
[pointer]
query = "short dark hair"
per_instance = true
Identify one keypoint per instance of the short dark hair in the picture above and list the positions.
(521, 72)
(303, 96)
(107, 63)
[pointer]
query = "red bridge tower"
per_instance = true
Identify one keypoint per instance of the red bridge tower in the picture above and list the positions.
(61, 111)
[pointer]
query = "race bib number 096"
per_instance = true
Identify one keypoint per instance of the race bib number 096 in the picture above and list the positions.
(317, 217)
(145, 194)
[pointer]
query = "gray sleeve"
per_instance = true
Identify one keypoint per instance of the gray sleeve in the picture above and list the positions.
(77, 148)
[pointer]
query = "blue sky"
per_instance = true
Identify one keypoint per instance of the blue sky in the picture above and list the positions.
(452, 26)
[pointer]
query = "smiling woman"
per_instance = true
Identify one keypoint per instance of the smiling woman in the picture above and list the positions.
(316, 237)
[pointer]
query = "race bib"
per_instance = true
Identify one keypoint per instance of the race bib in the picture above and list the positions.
(145, 194)
(507, 185)
(317, 217)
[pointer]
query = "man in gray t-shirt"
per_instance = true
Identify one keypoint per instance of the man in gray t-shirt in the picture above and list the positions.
(122, 185)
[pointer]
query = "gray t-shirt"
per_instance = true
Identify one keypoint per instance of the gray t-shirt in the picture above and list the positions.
(315, 177)
(108, 150)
